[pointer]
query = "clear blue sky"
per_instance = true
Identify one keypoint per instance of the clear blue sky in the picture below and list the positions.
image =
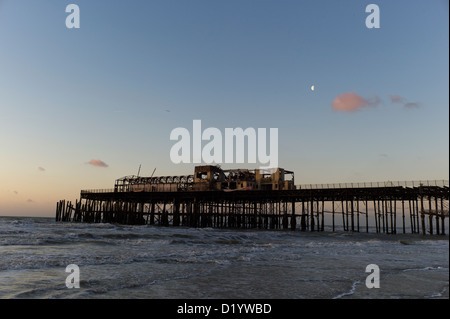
(114, 89)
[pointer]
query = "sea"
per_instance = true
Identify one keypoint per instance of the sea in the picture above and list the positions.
(44, 259)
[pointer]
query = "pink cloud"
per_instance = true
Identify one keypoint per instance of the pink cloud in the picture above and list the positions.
(41, 169)
(351, 102)
(97, 163)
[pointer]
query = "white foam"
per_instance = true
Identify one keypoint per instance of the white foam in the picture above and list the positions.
(350, 292)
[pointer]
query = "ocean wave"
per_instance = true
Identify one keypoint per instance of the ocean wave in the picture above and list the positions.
(426, 268)
(113, 258)
(121, 235)
(439, 294)
(350, 292)
(228, 241)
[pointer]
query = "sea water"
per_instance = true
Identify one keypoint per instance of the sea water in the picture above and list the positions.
(120, 261)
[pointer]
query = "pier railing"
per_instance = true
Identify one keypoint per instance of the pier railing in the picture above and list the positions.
(99, 191)
(408, 184)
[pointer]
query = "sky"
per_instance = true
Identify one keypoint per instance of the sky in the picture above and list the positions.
(81, 107)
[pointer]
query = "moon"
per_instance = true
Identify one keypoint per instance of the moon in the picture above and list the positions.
(312, 87)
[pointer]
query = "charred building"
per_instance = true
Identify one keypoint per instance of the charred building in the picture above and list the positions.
(211, 178)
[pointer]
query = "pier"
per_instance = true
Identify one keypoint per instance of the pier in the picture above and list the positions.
(387, 207)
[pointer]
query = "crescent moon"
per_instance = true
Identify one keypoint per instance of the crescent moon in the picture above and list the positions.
(312, 88)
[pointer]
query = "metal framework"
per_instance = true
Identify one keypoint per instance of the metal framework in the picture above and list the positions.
(209, 177)
(125, 184)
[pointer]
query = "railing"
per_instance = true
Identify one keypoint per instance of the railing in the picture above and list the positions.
(89, 191)
(440, 183)
(411, 184)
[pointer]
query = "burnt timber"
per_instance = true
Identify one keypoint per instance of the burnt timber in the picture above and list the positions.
(387, 208)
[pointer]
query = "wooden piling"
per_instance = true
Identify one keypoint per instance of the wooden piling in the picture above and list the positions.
(430, 215)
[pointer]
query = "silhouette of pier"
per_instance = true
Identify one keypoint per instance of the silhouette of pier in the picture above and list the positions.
(386, 207)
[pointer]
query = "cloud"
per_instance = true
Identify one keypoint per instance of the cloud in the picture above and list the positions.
(402, 100)
(41, 169)
(30, 201)
(375, 101)
(97, 163)
(396, 99)
(351, 102)
(16, 192)
(411, 105)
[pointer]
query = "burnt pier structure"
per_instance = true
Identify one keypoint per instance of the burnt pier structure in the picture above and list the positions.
(254, 199)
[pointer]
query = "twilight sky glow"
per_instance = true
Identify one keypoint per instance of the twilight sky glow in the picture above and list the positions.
(82, 107)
